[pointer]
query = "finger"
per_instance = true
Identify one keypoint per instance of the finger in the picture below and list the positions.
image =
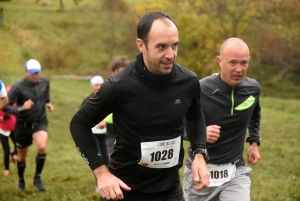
(255, 160)
(252, 161)
(196, 177)
(249, 160)
(103, 194)
(215, 135)
(205, 180)
(211, 139)
(216, 131)
(215, 127)
(112, 194)
(199, 186)
(119, 193)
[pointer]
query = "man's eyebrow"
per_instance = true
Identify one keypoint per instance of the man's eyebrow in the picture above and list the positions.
(159, 44)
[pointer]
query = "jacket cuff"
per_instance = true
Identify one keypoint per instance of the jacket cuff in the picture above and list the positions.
(252, 139)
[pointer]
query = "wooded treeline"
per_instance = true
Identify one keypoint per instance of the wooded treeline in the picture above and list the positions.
(88, 34)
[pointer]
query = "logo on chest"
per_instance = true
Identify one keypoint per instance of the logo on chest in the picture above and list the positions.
(177, 101)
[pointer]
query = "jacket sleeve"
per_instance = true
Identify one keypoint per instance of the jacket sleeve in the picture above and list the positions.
(254, 125)
(48, 93)
(195, 123)
(96, 108)
(13, 98)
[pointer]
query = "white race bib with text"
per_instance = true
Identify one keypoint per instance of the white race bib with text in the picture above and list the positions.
(160, 154)
(220, 174)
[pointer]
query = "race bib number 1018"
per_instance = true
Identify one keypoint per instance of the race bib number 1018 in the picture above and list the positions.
(220, 174)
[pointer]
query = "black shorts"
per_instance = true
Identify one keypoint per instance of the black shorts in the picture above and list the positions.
(25, 130)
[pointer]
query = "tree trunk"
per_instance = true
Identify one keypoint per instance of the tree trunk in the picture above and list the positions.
(62, 7)
(1, 16)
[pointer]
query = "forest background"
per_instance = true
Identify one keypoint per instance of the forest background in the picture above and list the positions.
(75, 40)
(82, 36)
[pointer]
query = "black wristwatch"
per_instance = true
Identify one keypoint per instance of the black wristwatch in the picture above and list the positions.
(201, 151)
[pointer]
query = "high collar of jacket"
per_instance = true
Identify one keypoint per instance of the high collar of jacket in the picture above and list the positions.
(26, 80)
(154, 79)
(226, 86)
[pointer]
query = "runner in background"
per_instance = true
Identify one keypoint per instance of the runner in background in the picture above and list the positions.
(32, 95)
(7, 128)
(230, 103)
(117, 64)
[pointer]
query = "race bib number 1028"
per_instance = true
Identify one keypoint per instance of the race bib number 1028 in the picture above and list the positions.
(160, 154)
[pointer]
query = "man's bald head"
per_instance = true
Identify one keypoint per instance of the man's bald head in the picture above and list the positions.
(233, 42)
(234, 61)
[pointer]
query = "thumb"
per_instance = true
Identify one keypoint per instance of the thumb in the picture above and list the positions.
(124, 186)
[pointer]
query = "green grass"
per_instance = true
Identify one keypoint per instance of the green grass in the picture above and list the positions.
(33, 31)
(67, 177)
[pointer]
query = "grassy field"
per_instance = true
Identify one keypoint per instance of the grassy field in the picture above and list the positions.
(67, 177)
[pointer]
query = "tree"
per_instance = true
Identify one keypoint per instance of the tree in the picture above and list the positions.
(206, 24)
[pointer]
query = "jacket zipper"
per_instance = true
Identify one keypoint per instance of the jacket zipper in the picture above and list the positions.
(232, 100)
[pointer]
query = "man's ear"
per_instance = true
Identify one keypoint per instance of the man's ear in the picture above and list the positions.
(219, 59)
(140, 44)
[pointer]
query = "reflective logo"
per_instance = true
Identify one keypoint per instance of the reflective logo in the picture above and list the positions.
(246, 104)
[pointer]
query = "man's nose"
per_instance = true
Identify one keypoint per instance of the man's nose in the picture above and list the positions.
(170, 53)
(239, 68)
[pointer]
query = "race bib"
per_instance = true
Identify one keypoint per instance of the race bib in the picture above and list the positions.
(220, 174)
(160, 154)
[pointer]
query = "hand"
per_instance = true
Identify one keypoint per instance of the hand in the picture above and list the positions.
(253, 154)
(212, 133)
(28, 104)
(109, 185)
(50, 107)
(102, 124)
(200, 172)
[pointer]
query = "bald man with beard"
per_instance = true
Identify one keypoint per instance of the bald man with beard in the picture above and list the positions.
(230, 103)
